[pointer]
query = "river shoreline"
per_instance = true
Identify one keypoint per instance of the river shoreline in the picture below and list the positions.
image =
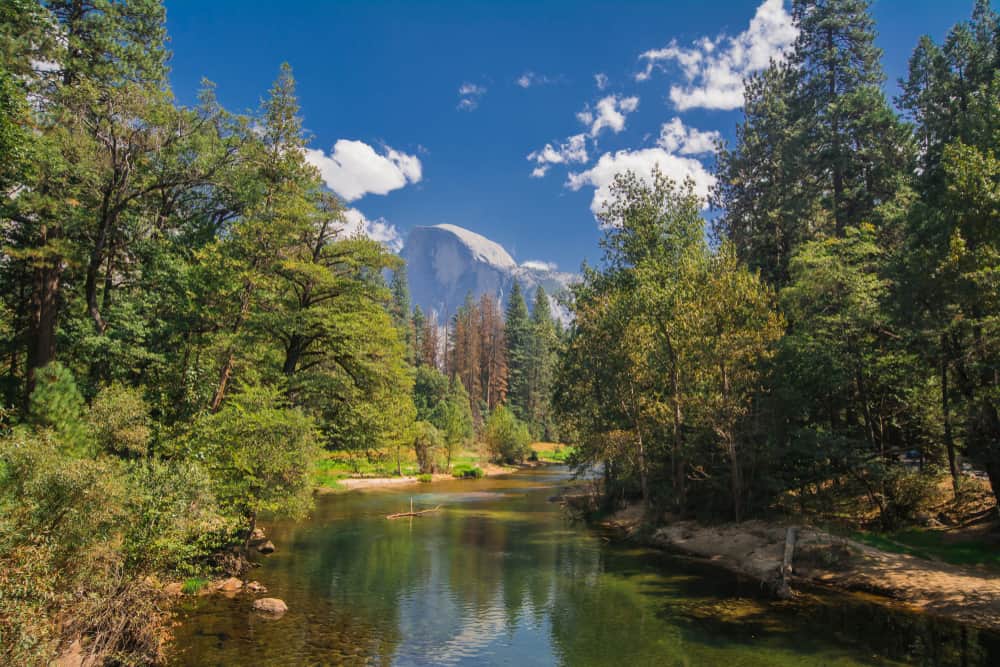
(756, 549)
(368, 483)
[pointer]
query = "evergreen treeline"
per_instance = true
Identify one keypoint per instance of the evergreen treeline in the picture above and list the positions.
(499, 361)
(839, 337)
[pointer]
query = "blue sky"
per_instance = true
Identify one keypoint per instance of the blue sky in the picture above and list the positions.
(379, 84)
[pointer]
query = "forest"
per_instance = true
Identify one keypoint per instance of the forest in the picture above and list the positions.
(186, 329)
(835, 335)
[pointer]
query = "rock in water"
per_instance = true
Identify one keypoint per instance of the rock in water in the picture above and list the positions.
(446, 262)
(230, 585)
(266, 548)
(270, 605)
(256, 587)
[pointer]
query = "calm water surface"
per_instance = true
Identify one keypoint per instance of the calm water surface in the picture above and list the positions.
(501, 576)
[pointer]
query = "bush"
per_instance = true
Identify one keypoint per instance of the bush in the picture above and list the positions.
(425, 478)
(466, 471)
(259, 454)
(506, 436)
(427, 445)
(119, 418)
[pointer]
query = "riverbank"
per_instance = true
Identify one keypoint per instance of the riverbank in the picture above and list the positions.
(757, 549)
(361, 483)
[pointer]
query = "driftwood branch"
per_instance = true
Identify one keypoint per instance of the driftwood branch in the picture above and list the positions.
(400, 515)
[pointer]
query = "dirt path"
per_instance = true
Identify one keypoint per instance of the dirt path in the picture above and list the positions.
(969, 594)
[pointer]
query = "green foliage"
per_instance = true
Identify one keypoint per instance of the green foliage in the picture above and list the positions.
(427, 445)
(506, 436)
(259, 453)
(120, 421)
(56, 403)
(467, 471)
(425, 478)
(192, 585)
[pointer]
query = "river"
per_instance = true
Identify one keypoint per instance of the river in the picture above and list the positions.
(501, 576)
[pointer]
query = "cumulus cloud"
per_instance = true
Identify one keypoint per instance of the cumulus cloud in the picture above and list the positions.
(355, 169)
(609, 112)
(714, 69)
(601, 80)
(469, 95)
(642, 163)
(356, 224)
(675, 137)
(573, 150)
(539, 265)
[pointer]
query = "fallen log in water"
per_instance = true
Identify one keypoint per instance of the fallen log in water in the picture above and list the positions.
(400, 515)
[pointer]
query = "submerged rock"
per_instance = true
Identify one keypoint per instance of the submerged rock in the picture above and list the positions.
(256, 587)
(270, 605)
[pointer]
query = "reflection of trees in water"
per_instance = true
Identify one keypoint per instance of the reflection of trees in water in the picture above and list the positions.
(508, 578)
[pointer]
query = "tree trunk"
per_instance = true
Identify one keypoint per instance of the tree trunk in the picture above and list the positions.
(227, 366)
(949, 440)
(45, 304)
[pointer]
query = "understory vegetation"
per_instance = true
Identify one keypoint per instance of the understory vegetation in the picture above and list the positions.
(832, 348)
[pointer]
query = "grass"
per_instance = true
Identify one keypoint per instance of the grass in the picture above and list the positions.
(464, 470)
(192, 585)
(552, 452)
(933, 545)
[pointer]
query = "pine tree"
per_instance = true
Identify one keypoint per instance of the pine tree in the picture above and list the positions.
(400, 309)
(820, 149)
(544, 343)
(518, 334)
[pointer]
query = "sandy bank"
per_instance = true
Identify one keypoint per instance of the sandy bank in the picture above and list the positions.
(969, 594)
(361, 483)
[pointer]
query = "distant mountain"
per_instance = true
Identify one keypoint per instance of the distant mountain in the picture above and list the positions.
(446, 262)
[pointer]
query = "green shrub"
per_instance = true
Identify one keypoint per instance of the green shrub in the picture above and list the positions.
(506, 436)
(425, 478)
(119, 417)
(467, 471)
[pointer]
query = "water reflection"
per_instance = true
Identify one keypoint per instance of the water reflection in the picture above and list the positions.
(501, 576)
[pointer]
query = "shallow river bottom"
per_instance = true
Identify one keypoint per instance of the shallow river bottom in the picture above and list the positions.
(501, 576)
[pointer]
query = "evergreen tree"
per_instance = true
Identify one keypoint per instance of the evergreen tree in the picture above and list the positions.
(544, 346)
(518, 334)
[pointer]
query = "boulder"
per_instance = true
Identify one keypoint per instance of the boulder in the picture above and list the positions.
(230, 585)
(270, 605)
(266, 547)
(257, 534)
(256, 587)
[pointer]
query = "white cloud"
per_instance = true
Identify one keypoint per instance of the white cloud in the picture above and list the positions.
(601, 80)
(539, 265)
(355, 169)
(675, 137)
(529, 79)
(573, 150)
(642, 163)
(609, 112)
(357, 224)
(714, 69)
(469, 95)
